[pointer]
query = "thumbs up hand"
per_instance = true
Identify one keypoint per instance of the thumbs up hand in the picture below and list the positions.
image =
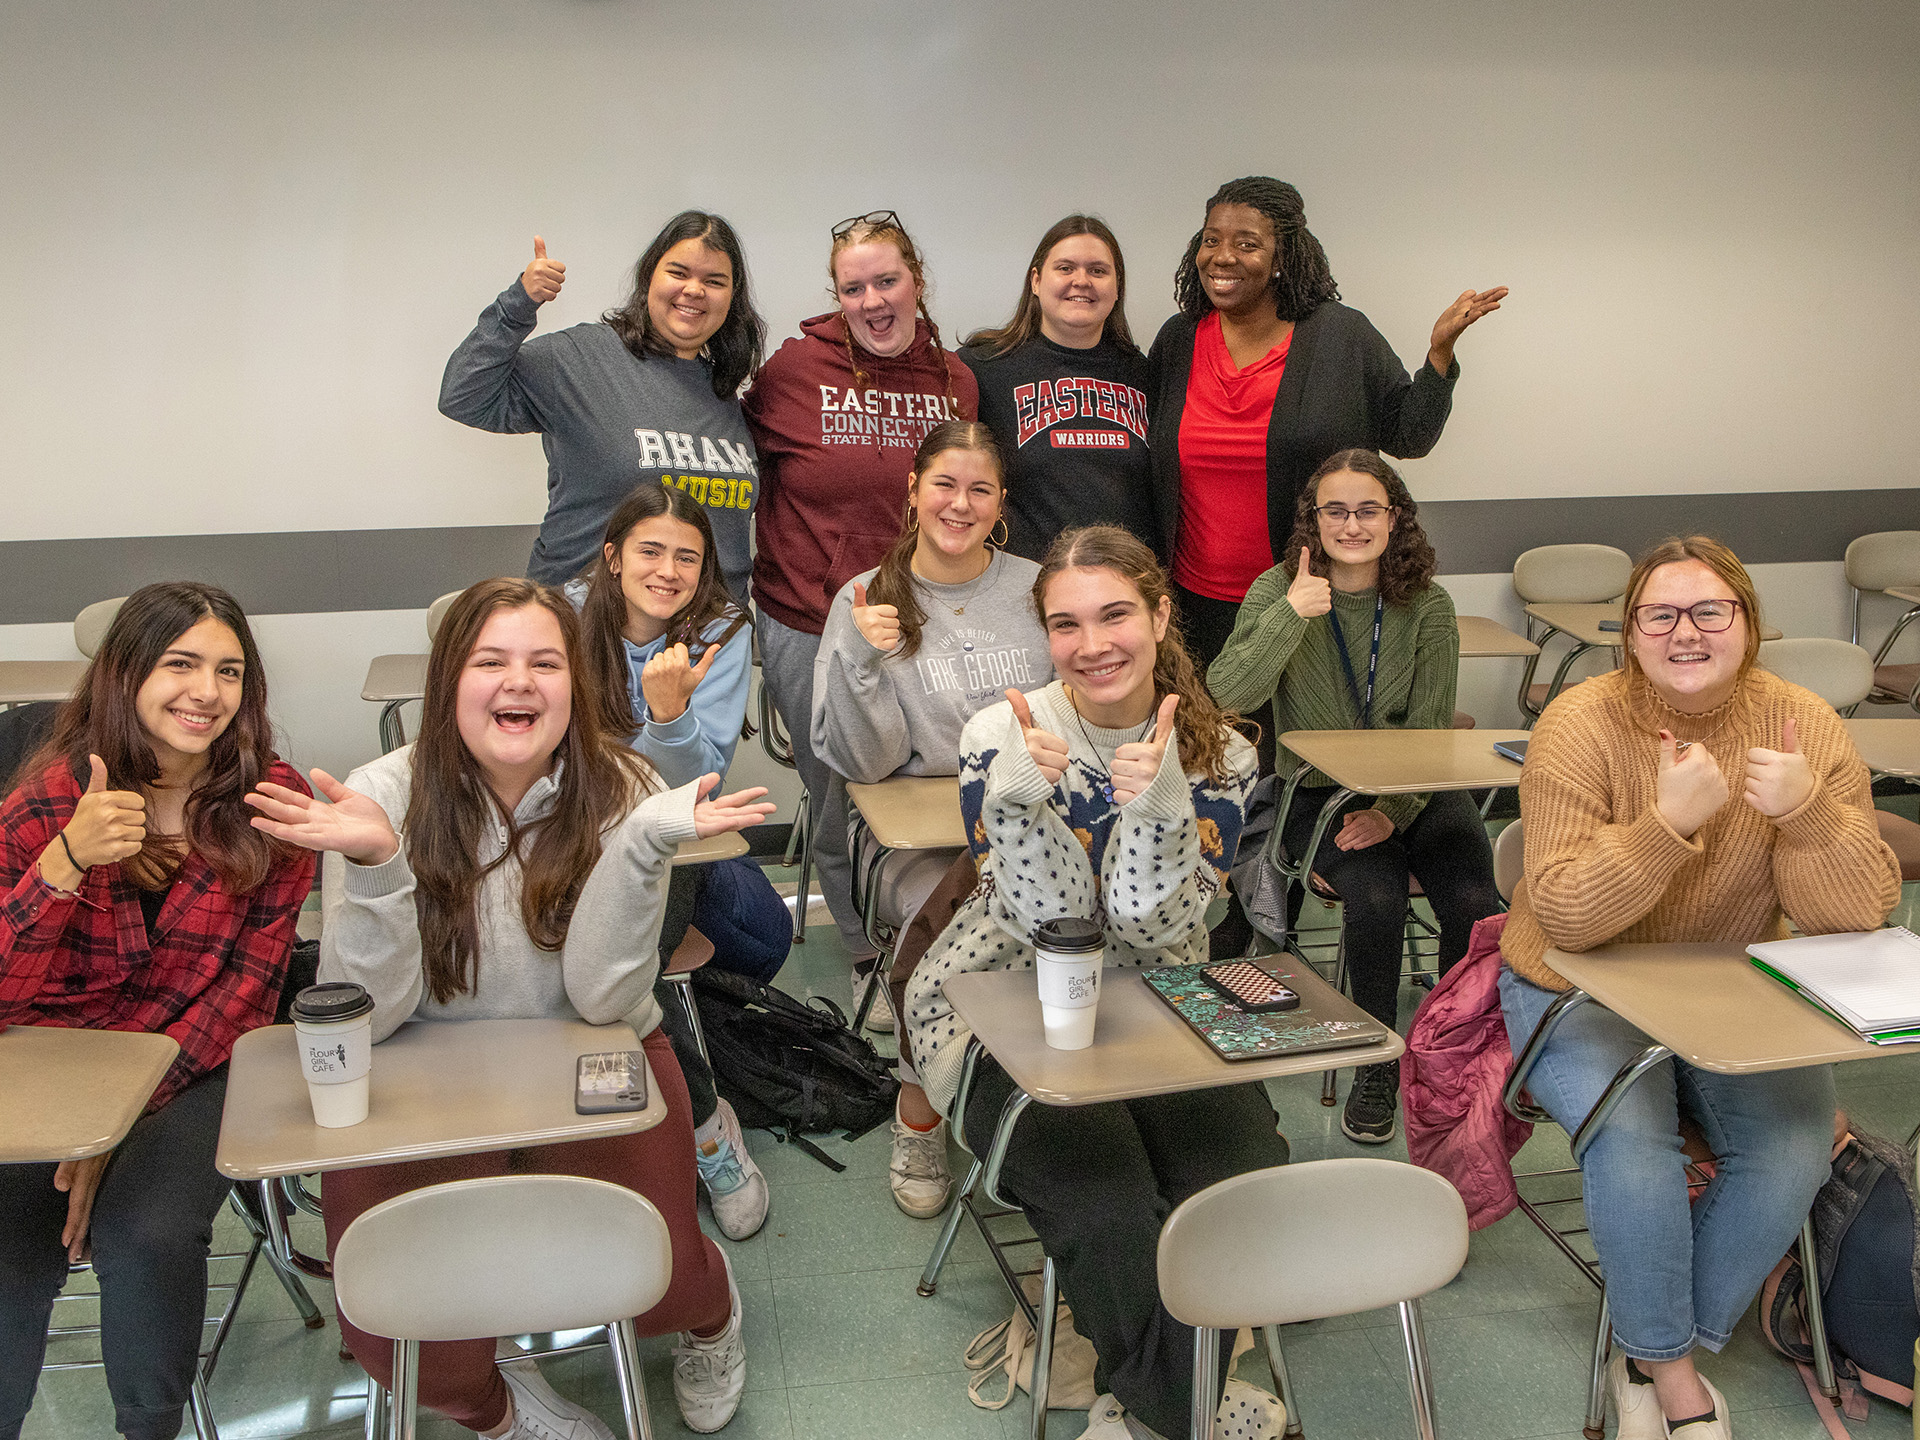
(668, 680)
(1688, 786)
(107, 825)
(1310, 594)
(1779, 781)
(1048, 750)
(542, 278)
(1135, 764)
(878, 624)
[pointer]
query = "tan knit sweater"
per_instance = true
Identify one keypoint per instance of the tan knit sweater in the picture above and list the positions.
(1603, 865)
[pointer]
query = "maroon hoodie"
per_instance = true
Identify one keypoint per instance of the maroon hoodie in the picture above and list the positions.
(835, 453)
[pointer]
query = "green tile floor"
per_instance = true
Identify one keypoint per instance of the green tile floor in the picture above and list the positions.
(841, 1347)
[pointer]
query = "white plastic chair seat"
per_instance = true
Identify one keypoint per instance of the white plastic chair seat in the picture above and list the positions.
(1509, 853)
(1310, 1241)
(1838, 671)
(503, 1255)
(91, 624)
(437, 612)
(1883, 560)
(1571, 574)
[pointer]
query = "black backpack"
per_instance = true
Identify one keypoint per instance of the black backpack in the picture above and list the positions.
(788, 1066)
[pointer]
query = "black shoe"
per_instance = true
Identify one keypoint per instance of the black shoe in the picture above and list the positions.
(1371, 1104)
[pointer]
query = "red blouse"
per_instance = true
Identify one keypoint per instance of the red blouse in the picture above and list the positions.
(1223, 546)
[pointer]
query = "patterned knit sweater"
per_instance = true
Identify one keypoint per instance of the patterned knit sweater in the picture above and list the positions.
(1145, 870)
(1603, 865)
(1273, 652)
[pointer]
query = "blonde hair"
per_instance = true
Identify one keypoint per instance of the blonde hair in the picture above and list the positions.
(896, 236)
(1676, 550)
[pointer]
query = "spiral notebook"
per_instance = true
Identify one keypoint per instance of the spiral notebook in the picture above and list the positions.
(1236, 1035)
(1869, 981)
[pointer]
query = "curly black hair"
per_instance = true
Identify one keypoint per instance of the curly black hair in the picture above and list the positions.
(1303, 279)
(1408, 565)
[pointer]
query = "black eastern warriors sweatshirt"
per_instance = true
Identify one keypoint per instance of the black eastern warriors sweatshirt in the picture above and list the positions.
(1073, 424)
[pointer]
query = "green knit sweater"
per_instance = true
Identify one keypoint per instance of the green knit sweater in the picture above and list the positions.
(1273, 652)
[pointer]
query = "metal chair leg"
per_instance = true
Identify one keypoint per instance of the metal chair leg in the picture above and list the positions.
(201, 1411)
(1043, 1347)
(633, 1390)
(1419, 1370)
(289, 1281)
(685, 989)
(1328, 1088)
(1283, 1382)
(1816, 1314)
(949, 1229)
(405, 1396)
(379, 1410)
(1206, 1364)
(1596, 1426)
(805, 822)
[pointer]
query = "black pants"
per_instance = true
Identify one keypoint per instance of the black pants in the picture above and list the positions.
(152, 1226)
(1097, 1182)
(1445, 848)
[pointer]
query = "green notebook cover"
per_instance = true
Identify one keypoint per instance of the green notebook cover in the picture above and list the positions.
(1236, 1035)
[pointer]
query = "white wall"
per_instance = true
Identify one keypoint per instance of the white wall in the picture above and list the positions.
(244, 234)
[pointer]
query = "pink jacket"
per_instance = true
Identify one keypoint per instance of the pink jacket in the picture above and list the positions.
(1456, 1064)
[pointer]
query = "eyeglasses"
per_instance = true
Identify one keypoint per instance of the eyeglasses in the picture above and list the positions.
(1709, 617)
(1365, 514)
(874, 219)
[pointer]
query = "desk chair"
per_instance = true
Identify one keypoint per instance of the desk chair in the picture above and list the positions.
(1888, 563)
(90, 625)
(1305, 1242)
(505, 1255)
(693, 951)
(1564, 575)
(778, 744)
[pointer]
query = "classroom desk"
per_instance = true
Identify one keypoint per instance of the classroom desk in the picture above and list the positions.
(728, 845)
(393, 680)
(69, 1094)
(1484, 639)
(902, 812)
(1906, 593)
(24, 681)
(1889, 747)
(1708, 1005)
(438, 1088)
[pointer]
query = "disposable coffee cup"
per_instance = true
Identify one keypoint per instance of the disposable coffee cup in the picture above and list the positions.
(333, 1035)
(1068, 955)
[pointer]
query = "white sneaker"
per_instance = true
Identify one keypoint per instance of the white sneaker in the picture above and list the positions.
(880, 1013)
(734, 1183)
(1636, 1409)
(918, 1171)
(1718, 1428)
(539, 1414)
(708, 1375)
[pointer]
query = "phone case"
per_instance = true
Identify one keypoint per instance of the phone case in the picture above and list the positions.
(615, 1080)
(1251, 988)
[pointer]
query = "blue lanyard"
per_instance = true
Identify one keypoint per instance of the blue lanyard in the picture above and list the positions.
(1365, 707)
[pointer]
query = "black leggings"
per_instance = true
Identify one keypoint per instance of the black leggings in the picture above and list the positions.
(1445, 848)
(152, 1226)
(1097, 1182)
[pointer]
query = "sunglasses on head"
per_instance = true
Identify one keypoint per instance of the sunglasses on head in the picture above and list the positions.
(874, 219)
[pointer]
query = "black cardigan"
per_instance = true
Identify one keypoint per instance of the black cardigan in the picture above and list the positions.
(1343, 387)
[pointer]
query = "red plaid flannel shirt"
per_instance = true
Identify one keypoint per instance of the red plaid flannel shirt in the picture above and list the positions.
(214, 970)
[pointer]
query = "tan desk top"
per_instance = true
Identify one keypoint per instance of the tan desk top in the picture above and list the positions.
(1484, 639)
(68, 1094)
(1582, 622)
(913, 812)
(395, 677)
(1890, 747)
(22, 681)
(1407, 762)
(1140, 1047)
(1712, 1008)
(439, 1087)
(718, 847)
(1906, 593)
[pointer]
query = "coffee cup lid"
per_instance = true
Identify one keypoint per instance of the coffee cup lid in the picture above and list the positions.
(1069, 935)
(341, 1000)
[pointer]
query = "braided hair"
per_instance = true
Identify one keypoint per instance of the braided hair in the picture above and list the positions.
(1302, 278)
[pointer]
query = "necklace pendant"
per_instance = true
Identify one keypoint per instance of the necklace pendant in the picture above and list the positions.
(961, 611)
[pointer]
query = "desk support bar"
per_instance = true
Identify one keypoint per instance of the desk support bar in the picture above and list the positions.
(1510, 1097)
(1016, 1104)
(1615, 1092)
(282, 1242)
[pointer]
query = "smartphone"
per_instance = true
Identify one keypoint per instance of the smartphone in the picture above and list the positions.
(1612, 627)
(1254, 990)
(614, 1080)
(1514, 750)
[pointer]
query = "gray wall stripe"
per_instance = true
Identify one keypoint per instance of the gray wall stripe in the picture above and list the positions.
(316, 571)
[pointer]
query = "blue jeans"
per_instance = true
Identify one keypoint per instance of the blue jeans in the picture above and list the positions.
(1678, 1275)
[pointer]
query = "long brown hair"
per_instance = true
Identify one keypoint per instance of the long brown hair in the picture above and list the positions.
(893, 583)
(736, 347)
(1717, 558)
(1205, 730)
(1407, 565)
(449, 806)
(1026, 314)
(604, 614)
(1302, 278)
(894, 234)
(101, 718)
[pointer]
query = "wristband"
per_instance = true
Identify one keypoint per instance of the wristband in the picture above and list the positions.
(62, 835)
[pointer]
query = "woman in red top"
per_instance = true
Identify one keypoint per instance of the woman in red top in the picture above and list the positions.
(138, 897)
(836, 416)
(1261, 376)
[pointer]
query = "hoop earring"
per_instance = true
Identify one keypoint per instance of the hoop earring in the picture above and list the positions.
(1005, 534)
